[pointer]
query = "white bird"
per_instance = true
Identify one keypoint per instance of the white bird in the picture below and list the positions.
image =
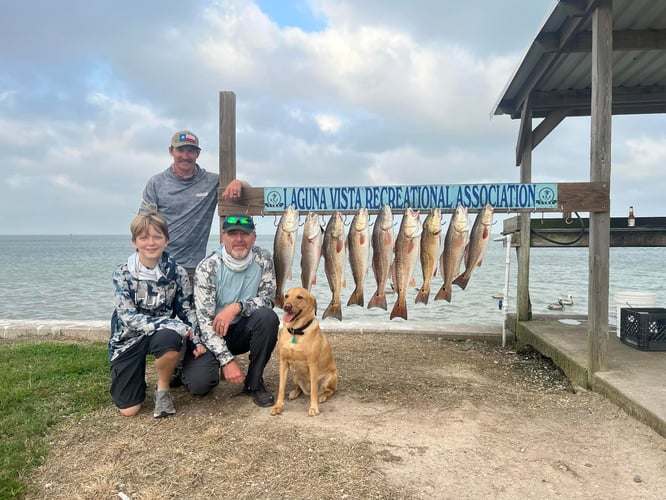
(561, 302)
(568, 301)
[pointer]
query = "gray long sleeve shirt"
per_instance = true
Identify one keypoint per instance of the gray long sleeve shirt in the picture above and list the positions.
(188, 206)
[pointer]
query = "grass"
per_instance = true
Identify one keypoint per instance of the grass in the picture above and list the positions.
(41, 384)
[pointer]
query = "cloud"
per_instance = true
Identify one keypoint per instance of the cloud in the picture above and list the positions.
(345, 92)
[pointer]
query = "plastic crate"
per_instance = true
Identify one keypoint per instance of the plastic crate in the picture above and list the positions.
(643, 328)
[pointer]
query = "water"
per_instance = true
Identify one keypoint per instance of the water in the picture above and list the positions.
(69, 278)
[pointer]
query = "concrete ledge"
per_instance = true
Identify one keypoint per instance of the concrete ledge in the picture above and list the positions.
(571, 361)
(80, 330)
(100, 330)
(605, 384)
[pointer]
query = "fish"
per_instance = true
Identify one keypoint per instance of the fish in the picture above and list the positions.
(284, 248)
(454, 251)
(333, 249)
(431, 243)
(311, 250)
(382, 254)
(406, 255)
(478, 242)
(358, 247)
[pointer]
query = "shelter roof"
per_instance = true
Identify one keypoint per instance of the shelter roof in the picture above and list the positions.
(556, 71)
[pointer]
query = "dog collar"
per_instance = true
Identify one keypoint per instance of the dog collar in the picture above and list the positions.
(301, 330)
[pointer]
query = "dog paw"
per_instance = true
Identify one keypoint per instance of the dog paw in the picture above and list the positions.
(276, 410)
(313, 412)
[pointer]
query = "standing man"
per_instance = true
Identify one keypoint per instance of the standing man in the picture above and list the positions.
(234, 295)
(186, 196)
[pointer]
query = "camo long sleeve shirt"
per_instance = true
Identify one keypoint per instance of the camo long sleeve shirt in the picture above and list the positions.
(144, 306)
(216, 286)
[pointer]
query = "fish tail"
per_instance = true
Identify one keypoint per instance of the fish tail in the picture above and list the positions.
(356, 298)
(399, 309)
(377, 301)
(461, 281)
(423, 296)
(334, 311)
(444, 293)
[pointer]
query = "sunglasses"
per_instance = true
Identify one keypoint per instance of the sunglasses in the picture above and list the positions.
(239, 221)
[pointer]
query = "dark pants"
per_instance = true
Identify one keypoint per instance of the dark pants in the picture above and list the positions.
(128, 371)
(256, 334)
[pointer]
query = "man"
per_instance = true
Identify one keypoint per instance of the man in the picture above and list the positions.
(234, 295)
(186, 196)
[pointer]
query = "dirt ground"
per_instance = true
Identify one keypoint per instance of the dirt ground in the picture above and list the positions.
(415, 417)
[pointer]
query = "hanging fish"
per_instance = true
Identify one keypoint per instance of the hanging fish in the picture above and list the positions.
(478, 242)
(358, 246)
(311, 250)
(431, 242)
(333, 249)
(382, 253)
(454, 251)
(284, 247)
(407, 246)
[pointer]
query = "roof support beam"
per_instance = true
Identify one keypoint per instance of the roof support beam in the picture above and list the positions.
(622, 41)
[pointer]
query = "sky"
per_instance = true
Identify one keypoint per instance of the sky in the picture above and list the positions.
(328, 93)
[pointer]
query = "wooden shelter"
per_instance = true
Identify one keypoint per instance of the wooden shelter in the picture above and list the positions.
(591, 58)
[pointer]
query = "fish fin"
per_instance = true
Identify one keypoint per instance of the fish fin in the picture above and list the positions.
(356, 298)
(314, 280)
(340, 246)
(479, 263)
(412, 281)
(334, 311)
(444, 293)
(486, 232)
(461, 281)
(377, 301)
(423, 296)
(387, 238)
(399, 310)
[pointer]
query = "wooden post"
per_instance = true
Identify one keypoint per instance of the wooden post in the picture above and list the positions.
(600, 169)
(227, 141)
(523, 305)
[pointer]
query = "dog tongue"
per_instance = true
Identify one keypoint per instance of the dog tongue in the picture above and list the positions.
(288, 317)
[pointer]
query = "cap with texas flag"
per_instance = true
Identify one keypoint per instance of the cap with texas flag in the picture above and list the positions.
(184, 138)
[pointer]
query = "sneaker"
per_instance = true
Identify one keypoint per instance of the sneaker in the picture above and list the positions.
(163, 404)
(260, 397)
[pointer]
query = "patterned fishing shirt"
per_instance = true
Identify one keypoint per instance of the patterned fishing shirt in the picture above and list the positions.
(211, 299)
(144, 306)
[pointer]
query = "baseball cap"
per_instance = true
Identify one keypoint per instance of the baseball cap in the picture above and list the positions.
(185, 138)
(238, 221)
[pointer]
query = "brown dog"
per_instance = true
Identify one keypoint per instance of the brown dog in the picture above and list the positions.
(304, 348)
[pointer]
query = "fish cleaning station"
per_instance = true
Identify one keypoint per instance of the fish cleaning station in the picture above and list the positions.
(595, 58)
